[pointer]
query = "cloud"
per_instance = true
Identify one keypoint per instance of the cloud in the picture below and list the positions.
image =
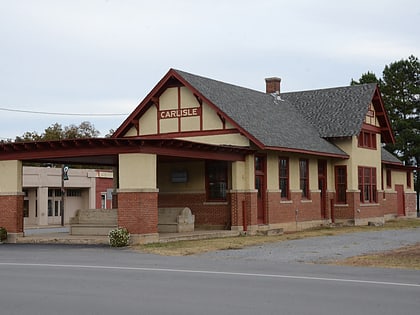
(97, 54)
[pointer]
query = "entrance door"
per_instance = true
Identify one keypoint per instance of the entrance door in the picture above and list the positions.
(322, 186)
(260, 187)
(400, 200)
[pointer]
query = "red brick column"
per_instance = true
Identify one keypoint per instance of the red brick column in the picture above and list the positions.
(410, 204)
(11, 212)
(138, 211)
(349, 210)
(243, 202)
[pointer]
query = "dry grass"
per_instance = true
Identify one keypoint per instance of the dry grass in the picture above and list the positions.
(406, 257)
(182, 248)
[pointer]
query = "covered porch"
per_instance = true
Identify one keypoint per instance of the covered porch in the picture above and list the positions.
(149, 174)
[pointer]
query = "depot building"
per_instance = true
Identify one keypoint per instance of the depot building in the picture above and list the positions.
(239, 159)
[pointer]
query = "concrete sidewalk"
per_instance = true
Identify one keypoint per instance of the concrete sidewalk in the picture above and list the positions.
(60, 235)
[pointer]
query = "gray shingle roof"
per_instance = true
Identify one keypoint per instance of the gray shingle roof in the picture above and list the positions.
(389, 157)
(275, 123)
(335, 112)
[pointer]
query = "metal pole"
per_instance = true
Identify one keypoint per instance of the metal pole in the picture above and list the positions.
(62, 195)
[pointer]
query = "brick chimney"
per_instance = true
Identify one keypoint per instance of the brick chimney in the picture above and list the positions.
(272, 85)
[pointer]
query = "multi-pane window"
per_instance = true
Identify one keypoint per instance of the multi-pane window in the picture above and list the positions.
(216, 180)
(388, 178)
(26, 204)
(367, 184)
(341, 183)
(304, 177)
(284, 177)
(367, 140)
(54, 202)
(408, 179)
(74, 192)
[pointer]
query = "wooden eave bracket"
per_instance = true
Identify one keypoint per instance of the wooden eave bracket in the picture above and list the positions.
(199, 99)
(223, 119)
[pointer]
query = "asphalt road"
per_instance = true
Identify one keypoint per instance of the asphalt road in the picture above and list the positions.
(54, 279)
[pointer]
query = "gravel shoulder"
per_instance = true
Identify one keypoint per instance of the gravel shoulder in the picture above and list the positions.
(325, 248)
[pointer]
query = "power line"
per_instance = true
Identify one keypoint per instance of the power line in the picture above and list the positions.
(59, 114)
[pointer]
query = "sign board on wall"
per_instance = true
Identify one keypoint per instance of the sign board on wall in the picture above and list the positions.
(179, 113)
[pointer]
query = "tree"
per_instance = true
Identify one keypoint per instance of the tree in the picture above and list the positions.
(110, 133)
(368, 77)
(84, 130)
(400, 87)
(57, 132)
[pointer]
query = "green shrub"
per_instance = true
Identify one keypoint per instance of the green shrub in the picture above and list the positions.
(3, 234)
(119, 237)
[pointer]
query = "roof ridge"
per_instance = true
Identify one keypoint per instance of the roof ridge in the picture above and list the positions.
(181, 72)
(332, 88)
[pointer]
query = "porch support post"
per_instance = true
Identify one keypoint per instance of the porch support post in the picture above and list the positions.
(11, 199)
(244, 195)
(138, 196)
(42, 200)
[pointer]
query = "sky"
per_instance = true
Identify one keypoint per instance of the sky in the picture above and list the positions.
(96, 60)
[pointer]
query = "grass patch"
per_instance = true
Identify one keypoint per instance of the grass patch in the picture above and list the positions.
(406, 257)
(182, 248)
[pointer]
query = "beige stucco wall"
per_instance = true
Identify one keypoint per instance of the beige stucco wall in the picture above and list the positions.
(272, 171)
(10, 176)
(294, 172)
(211, 120)
(148, 122)
(51, 177)
(195, 176)
(359, 157)
(243, 178)
(137, 171)
(399, 177)
(169, 99)
(188, 100)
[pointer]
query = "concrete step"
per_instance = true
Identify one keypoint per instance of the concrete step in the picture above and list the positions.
(91, 229)
(197, 235)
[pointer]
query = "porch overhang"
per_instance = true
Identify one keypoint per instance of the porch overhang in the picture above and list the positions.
(105, 151)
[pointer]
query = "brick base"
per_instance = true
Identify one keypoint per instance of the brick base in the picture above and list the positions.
(410, 204)
(11, 212)
(244, 209)
(207, 214)
(138, 212)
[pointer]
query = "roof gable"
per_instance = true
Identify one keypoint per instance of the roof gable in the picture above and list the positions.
(341, 111)
(272, 122)
(171, 106)
(264, 119)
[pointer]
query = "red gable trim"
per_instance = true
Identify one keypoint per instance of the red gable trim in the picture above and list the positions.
(169, 80)
(386, 130)
(142, 107)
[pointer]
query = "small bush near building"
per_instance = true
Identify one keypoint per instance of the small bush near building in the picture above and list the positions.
(119, 237)
(3, 234)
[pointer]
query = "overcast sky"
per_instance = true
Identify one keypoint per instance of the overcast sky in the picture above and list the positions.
(104, 56)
